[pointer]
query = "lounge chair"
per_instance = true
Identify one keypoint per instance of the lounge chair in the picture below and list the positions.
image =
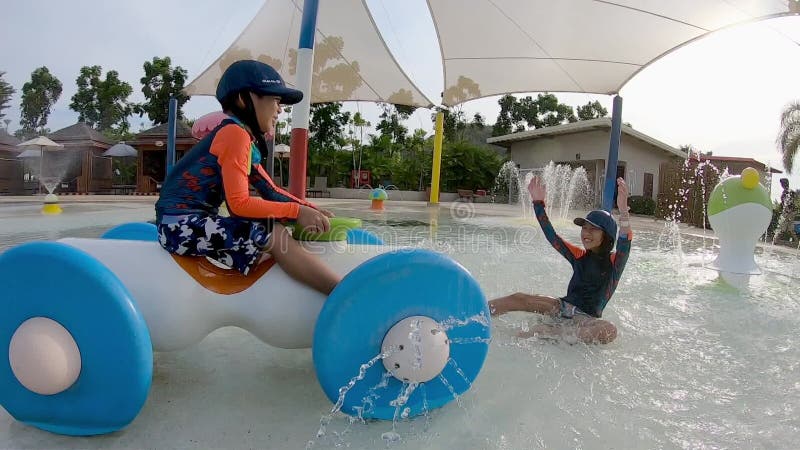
(466, 195)
(320, 188)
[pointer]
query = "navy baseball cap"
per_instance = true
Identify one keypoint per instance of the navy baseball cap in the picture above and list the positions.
(600, 219)
(257, 77)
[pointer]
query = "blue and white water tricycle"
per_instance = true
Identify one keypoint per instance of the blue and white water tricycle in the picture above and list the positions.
(76, 345)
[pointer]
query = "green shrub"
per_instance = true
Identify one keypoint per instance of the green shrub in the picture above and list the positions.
(642, 205)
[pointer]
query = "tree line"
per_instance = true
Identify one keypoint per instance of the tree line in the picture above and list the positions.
(102, 100)
(396, 155)
(341, 141)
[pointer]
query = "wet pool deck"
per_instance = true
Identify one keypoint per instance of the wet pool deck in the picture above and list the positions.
(232, 391)
(642, 223)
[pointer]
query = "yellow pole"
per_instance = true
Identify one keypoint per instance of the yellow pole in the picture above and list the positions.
(437, 158)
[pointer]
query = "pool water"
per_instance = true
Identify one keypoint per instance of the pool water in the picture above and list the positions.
(697, 363)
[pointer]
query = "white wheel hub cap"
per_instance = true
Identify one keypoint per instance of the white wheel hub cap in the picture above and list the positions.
(44, 357)
(418, 349)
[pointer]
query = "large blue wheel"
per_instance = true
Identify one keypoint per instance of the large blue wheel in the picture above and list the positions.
(67, 286)
(133, 231)
(360, 236)
(370, 301)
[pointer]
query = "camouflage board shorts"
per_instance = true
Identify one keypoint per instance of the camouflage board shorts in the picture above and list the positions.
(236, 243)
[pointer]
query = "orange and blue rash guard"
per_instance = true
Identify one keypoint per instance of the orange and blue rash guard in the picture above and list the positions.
(221, 168)
(594, 278)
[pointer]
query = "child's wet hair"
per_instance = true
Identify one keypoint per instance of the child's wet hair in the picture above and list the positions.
(606, 246)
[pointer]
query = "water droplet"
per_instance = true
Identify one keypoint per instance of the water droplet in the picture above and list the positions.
(390, 436)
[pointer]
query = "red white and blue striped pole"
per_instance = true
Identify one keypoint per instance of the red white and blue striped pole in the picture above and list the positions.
(301, 111)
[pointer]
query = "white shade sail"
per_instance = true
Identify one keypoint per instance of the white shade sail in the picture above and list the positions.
(492, 47)
(351, 60)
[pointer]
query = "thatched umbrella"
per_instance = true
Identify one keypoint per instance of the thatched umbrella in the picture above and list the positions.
(42, 143)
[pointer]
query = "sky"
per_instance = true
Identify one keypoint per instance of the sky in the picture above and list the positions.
(723, 93)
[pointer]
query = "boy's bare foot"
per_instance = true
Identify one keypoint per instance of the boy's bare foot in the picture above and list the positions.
(500, 306)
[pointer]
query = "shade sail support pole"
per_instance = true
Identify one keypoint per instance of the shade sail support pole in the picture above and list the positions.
(301, 112)
(613, 154)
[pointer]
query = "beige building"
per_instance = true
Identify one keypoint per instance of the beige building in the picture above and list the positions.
(585, 143)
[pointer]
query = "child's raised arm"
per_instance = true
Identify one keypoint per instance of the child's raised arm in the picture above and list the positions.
(622, 205)
(538, 193)
(620, 257)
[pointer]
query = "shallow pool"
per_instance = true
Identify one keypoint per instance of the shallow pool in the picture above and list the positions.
(697, 363)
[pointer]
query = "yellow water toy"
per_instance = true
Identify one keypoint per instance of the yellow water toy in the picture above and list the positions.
(51, 206)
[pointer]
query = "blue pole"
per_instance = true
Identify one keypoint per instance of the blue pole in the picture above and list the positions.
(613, 155)
(172, 125)
(308, 25)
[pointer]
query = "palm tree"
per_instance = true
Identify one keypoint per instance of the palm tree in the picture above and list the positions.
(789, 137)
(358, 121)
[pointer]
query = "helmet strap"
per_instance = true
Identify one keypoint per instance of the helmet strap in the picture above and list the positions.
(251, 120)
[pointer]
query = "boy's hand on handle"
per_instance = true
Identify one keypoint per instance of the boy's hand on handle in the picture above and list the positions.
(313, 220)
(536, 189)
(622, 195)
(327, 213)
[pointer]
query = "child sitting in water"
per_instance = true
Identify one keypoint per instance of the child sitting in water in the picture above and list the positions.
(222, 167)
(597, 270)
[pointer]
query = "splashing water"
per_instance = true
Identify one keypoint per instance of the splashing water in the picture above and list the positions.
(671, 235)
(507, 183)
(675, 215)
(416, 342)
(50, 183)
(454, 322)
(566, 188)
(59, 165)
(390, 437)
(425, 410)
(405, 392)
(472, 340)
(700, 172)
(368, 402)
(460, 372)
(362, 372)
(451, 389)
(782, 219)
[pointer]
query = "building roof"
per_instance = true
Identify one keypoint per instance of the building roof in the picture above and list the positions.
(735, 159)
(79, 132)
(8, 141)
(160, 131)
(580, 126)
